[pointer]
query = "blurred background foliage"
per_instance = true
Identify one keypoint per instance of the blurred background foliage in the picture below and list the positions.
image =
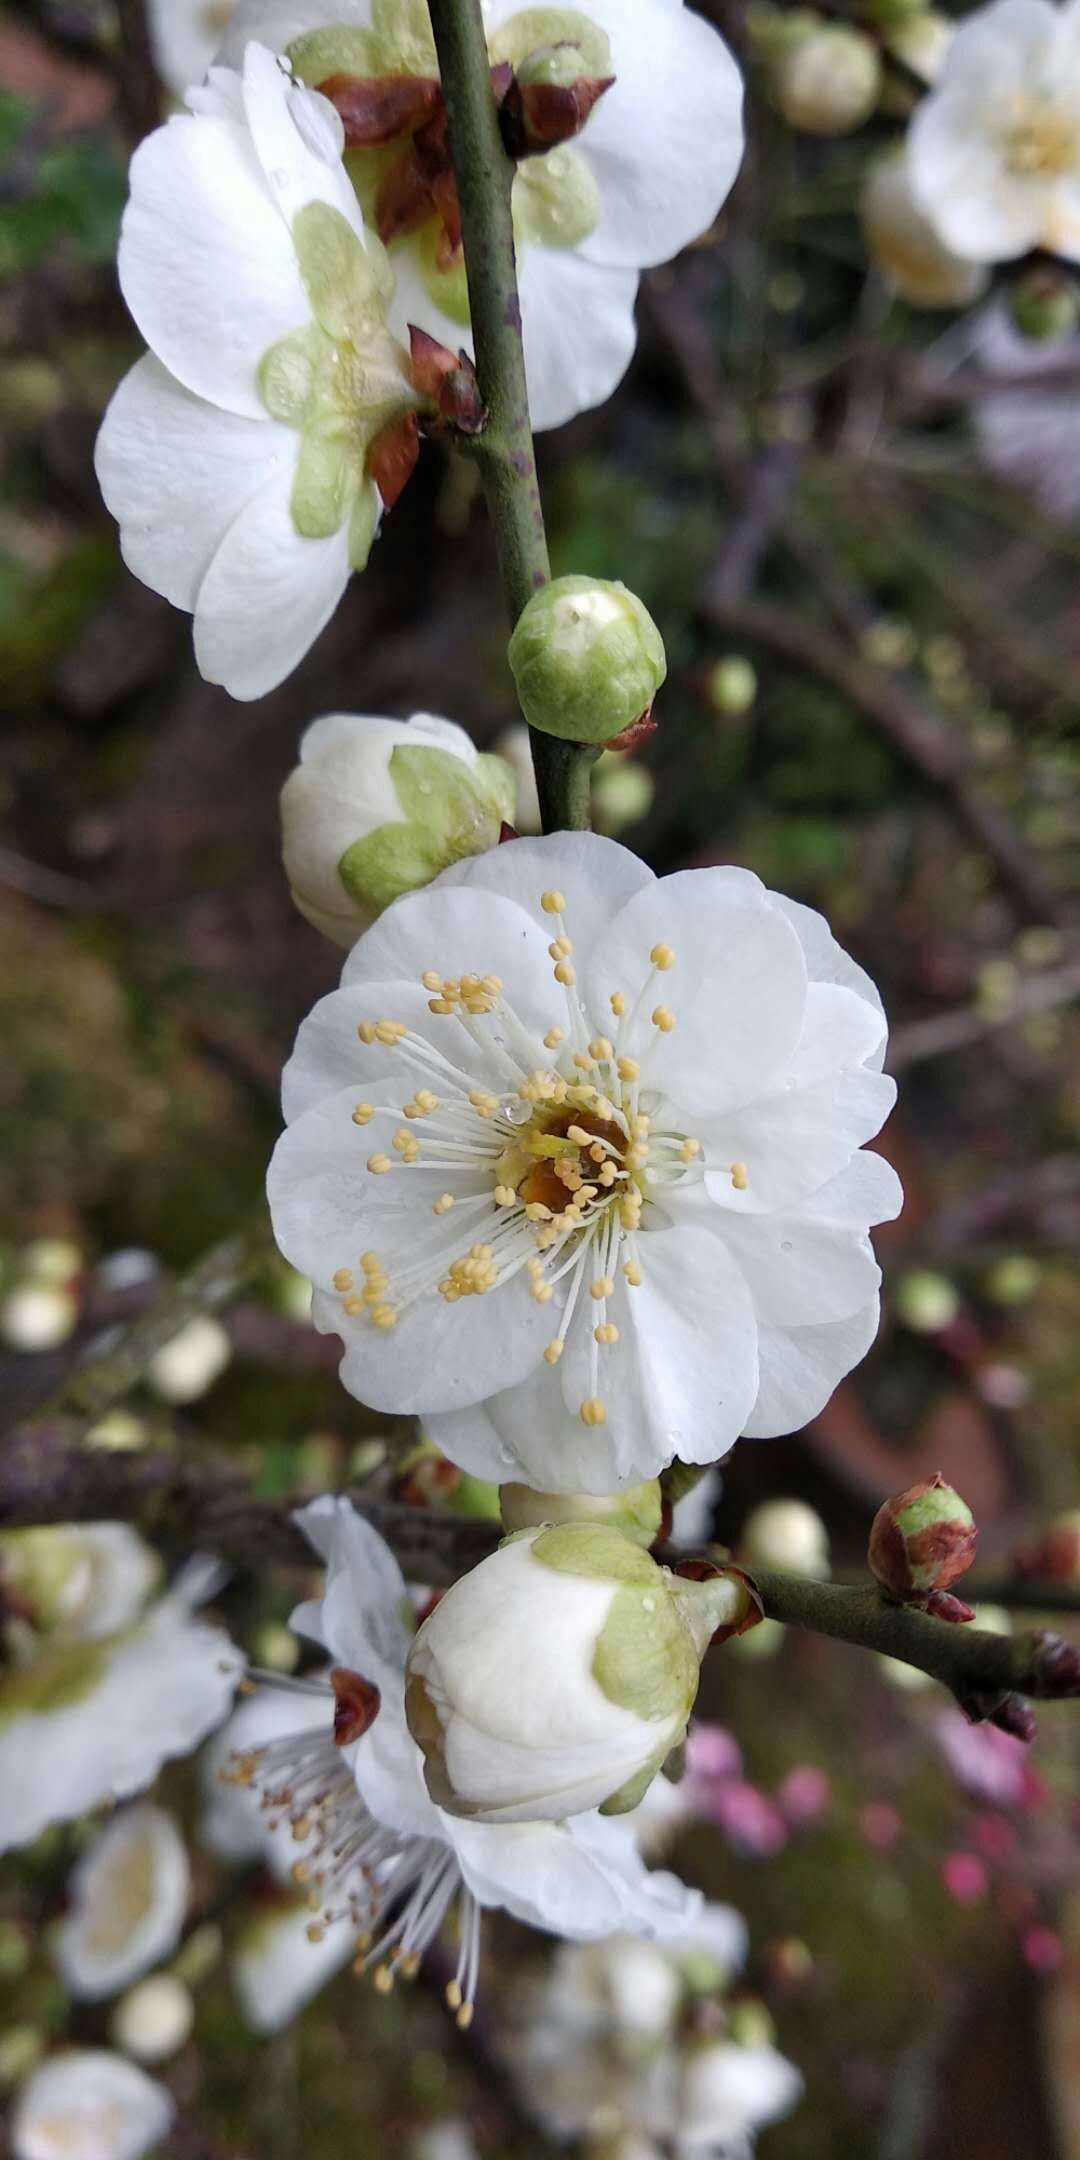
(873, 698)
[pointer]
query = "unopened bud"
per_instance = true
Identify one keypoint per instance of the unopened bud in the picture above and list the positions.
(827, 82)
(922, 1540)
(587, 659)
(153, 2020)
(559, 1674)
(38, 1316)
(636, 1511)
(786, 1534)
(891, 15)
(922, 43)
(185, 1368)
(448, 381)
(377, 808)
(926, 1302)
(732, 686)
(623, 792)
(1045, 304)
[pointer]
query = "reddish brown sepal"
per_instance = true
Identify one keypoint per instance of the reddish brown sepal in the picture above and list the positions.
(944, 1606)
(356, 1705)
(537, 116)
(754, 1610)
(376, 109)
(911, 1562)
(391, 460)
(638, 731)
(507, 832)
(448, 381)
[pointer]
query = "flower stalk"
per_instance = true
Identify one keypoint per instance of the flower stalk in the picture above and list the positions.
(504, 449)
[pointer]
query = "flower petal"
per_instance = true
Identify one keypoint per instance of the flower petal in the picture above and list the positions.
(666, 141)
(298, 138)
(456, 930)
(597, 877)
(826, 960)
(737, 987)
(583, 1879)
(815, 1264)
(268, 592)
(207, 264)
(801, 1367)
(88, 2101)
(176, 472)
(578, 329)
(961, 183)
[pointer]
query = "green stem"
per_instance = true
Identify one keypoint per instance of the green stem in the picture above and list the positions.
(504, 451)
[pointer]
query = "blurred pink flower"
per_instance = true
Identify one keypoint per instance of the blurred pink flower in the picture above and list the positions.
(750, 1821)
(965, 1878)
(880, 1825)
(988, 1763)
(804, 1794)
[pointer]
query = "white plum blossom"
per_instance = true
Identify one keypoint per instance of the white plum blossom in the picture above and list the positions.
(647, 174)
(127, 1900)
(76, 1582)
(907, 247)
(377, 807)
(387, 1865)
(236, 456)
(89, 2104)
(559, 1674)
(994, 150)
(278, 1965)
(82, 1722)
(710, 2102)
(574, 1161)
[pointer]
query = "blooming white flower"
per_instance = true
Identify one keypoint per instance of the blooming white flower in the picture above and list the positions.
(558, 1674)
(89, 2105)
(994, 151)
(76, 1582)
(573, 1163)
(127, 1900)
(921, 43)
(236, 456)
(185, 35)
(377, 807)
(93, 1720)
(907, 247)
(647, 174)
(718, 2096)
(384, 1861)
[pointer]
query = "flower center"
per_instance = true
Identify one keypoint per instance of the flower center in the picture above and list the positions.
(1041, 141)
(384, 83)
(553, 1167)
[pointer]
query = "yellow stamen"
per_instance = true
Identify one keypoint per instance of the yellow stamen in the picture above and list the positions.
(554, 1351)
(628, 1069)
(363, 1113)
(633, 1274)
(617, 1002)
(554, 1037)
(603, 1287)
(740, 1176)
(608, 1333)
(565, 974)
(443, 1204)
(343, 1280)
(593, 1411)
(553, 903)
(664, 1019)
(379, 1165)
(662, 957)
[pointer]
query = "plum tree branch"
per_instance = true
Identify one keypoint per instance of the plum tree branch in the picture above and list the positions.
(504, 448)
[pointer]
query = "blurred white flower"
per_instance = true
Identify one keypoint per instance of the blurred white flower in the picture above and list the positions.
(77, 1582)
(515, 745)
(185, 35)
(185, 1368)
(89, 2105)
(907, 248)
(153, 2020)
(647, 174)
(718, 2095)
(127, 1899)
(38, 1316)
(93, 1720)
(786, 1534)
(380, 1857)
(278, 1965)
(921, 42)
(994, 150)
(377, 807)
(236, 455)
(574, 1252)
(1031, 437)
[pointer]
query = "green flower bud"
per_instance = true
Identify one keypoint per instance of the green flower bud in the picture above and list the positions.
(623, 792)
(1045, 305)
(636, 1511)
(377, 808)
(732, 685)
(925, 1301)
(559, 1674)
(828, 81)
(587, 659)
(922, 1540)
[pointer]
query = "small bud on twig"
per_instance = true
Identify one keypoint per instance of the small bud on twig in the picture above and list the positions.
(921, 1541)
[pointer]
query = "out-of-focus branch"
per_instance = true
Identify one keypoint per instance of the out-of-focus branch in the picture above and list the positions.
(139, 82)
(106, 1373)
(967, 1024)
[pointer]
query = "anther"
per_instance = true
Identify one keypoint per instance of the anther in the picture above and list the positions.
(553, 903)
(379, 1165)
(628, 1069)
(633, 1274)
(505, 1196)
(453, 1995)
(383, 1977)
(384, 1316)
(617, 1002)
(431, 980)
(689, 1149)
(554, 1037)
(366, 1031)
(600, 1047)
(554, 1351)
(593, 1411)
(565, 974)
(662, 957)
(603, 1287)
(607, 1333)
(363, 1113)
(443, 1204)
(343, 1279)
(440, 1005)
(664, 1019)
(740, 1176)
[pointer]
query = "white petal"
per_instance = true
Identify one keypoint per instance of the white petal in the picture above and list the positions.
(278, 23)
(459, 931)
(183, 42)
(88, 2104)
(298, 138)
(800, 1368)
(365, 1602)
(578, 328)
(128, 1897)
(232, 1824)
(581, 1879)
(801, 1272)
(666, 142)
(176, 472)
(159, 1690)
(596, 876)
(207, 264)
(329, 1054)
(737, 988)
(826, 960)
(268, 592)
(277, 1969)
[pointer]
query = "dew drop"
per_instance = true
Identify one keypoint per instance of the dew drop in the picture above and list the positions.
(785, 1244)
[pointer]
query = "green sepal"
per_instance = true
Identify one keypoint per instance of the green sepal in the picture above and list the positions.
(556, 200)
(363, 525)
(533, 28)
(449, 289)
(342, 285)
(324, 483)
(288, 375)
(336, 51)
(645, 1660)
(592, 1550)
(403, 30)
(456, 803)
(394, 859)
(633, 1792)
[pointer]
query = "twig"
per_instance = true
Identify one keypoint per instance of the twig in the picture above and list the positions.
(913, 730)
(103, 1375)
(504, 450)
(140, 84)
(45, 1476)
(966, 1024)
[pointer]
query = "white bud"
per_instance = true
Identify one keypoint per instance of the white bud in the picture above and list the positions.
(905, 247)
(786, 1534)
(89, 2104)
(38, 1316)
(186, 1367)
(558, 1675)
(153, 2020)
(827, 81)
(515, 746)
(377, 808)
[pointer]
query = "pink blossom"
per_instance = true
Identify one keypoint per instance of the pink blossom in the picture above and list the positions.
(804, 1794)
(990, 1764)
(965, 1878)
